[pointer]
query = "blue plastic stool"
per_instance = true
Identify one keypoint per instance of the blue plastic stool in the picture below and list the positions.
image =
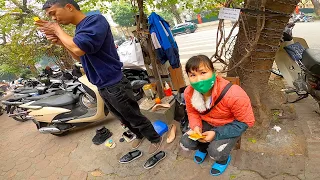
(160, 127)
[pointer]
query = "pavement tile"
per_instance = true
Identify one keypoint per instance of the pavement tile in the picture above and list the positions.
(10, 174)
(8, 166)
(60, 162)
(78, 175)
(68, 169)
(52, 150)
(23, 166)
(46, 172)
(42, 164)
(38, 158)
(22, 160)
(35, 152)
(25, 174)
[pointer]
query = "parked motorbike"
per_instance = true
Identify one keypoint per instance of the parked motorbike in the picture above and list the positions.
(81, 106)
(299, 65)
(28, 94)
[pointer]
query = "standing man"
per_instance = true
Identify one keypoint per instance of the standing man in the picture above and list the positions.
(93, 45)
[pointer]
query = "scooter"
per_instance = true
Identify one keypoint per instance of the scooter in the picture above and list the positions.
(81, 106)
(299, 65)
(26, 95)
(59, 114)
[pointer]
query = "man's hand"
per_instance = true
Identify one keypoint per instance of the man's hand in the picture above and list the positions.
(49, 28)
(209, 136)
(54, 39)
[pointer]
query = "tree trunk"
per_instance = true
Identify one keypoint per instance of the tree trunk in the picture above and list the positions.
(257, 57)
(316, 5)
(146, 43)
(176, 13)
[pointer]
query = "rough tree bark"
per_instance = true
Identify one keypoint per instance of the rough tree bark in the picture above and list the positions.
(145, 39)
(316, 5)
(256, 49)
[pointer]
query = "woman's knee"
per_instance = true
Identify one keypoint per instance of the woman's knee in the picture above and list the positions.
(187, 144)
(218, 153)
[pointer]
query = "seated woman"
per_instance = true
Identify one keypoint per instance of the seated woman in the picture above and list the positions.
(223, 124)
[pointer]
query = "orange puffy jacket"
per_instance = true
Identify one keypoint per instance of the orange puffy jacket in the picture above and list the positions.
(235, 105)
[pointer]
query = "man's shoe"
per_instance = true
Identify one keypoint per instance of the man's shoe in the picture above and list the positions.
(130, 156)
(101, 136)
(136, 143)
(154, 147)
(154, 160)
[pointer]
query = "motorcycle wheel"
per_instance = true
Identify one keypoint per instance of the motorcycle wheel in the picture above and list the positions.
(13, 110)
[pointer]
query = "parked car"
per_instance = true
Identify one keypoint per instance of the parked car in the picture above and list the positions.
(187, 28)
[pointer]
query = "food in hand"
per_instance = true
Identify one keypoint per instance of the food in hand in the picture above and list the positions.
(196, 136)
(36, 19)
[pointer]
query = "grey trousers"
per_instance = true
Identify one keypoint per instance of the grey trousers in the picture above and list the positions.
(218, 150)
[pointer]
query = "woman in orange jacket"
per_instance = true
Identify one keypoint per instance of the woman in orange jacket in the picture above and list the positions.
(221, 124)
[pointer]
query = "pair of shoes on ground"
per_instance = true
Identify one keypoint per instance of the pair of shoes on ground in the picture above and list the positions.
(217, 168)
(154, 147)
(150, 163)
(102, 134)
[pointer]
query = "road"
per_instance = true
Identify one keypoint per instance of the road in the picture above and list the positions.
(203, 41)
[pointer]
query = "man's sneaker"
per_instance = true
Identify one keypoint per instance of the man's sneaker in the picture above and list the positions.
(154, 147)
(136, 143)
(101, 136)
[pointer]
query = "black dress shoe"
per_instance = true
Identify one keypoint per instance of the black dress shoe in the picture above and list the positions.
(101, 136)
(154, 160)
(130, 156)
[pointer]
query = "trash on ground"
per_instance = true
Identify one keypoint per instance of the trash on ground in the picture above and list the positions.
(276, 128)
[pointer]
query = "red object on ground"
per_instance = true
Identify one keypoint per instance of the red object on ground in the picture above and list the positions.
(199, 19)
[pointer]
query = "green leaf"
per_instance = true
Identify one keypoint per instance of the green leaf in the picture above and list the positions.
(252, 140)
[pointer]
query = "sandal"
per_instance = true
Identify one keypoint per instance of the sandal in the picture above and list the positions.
(172, 134)
(199, 156)
(220, 167)
(130, 156)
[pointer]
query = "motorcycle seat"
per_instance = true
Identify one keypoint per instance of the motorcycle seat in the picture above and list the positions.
(20, 89)
(36, 98)
(137, 84)
(311, 59)
(57, 100)
(18, 97)
(28, 91)
(11, 103)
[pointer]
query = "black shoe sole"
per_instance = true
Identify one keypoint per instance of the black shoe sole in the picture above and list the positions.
(131, 159)
(165, 155)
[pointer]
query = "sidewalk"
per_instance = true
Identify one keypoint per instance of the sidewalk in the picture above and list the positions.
(27, 154)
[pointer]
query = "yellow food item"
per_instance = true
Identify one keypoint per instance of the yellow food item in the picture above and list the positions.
(36, 18)
(196, 136)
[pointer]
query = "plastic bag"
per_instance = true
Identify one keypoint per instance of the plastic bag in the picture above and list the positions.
(130, 53)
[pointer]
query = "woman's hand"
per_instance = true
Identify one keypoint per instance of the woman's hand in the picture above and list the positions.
(209, 136)
(198, 130)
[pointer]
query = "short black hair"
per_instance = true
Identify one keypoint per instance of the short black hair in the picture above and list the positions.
(62, 3)
(195, 61)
